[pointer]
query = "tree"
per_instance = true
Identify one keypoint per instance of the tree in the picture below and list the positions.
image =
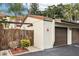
(60, 11)
(54, 11)
(50, 11)
(16, 8)
(34, 8)
(76, 12)
(71, 11)
(66, 11)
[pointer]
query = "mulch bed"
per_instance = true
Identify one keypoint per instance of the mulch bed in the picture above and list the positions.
(18, 50)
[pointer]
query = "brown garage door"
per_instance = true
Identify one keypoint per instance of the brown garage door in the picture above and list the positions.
(75, 35)
(60, 36)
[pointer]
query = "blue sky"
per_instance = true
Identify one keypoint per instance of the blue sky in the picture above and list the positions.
(4, 8)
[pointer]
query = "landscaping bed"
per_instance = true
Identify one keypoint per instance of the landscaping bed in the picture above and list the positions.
(17, 46)
(18, 50)
(23, 45)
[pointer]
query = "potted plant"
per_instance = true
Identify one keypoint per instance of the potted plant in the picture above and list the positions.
(25, 43)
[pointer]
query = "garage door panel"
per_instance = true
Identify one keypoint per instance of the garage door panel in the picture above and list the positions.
(60, 36)
(75, 35)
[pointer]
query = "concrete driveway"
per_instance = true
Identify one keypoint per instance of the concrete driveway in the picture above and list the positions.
(72, 50)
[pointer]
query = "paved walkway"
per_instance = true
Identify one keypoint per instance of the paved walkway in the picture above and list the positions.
(59, 51)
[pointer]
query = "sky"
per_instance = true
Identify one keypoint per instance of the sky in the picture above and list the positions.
(4, 8)
(42, 5)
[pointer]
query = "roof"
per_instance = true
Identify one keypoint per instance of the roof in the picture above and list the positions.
(58, 21)
(67, 22)
(41, 18)
(38, 17)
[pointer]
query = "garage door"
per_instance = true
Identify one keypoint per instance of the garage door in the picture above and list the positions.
(75, 35)
(60, 36)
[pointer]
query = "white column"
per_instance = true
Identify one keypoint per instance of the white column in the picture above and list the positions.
(53, 32)
(69, 36)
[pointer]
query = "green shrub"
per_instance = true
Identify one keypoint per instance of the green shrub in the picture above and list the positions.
(25, 43)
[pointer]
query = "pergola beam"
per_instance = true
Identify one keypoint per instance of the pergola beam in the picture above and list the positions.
(14, 22)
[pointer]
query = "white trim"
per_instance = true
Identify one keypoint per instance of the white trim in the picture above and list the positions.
(69, 36)
(53, 32)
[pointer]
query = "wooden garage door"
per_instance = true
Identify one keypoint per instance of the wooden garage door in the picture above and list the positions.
(75, 35)
(60, 36)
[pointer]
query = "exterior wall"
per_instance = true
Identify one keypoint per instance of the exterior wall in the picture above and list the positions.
(38, 35)
(44, 32)
(38, 31)
(29, 20)
(49, 34)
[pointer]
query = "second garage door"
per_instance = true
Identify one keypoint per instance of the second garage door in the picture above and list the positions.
(75, 35)
(60, 36)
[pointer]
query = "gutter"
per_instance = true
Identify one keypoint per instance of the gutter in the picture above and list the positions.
(70, 22)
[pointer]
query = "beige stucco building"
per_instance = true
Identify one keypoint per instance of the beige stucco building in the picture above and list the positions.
(52, 32)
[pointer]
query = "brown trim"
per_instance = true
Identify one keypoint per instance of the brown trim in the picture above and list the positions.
(48, 20)
(70, 22)
(64, 23)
